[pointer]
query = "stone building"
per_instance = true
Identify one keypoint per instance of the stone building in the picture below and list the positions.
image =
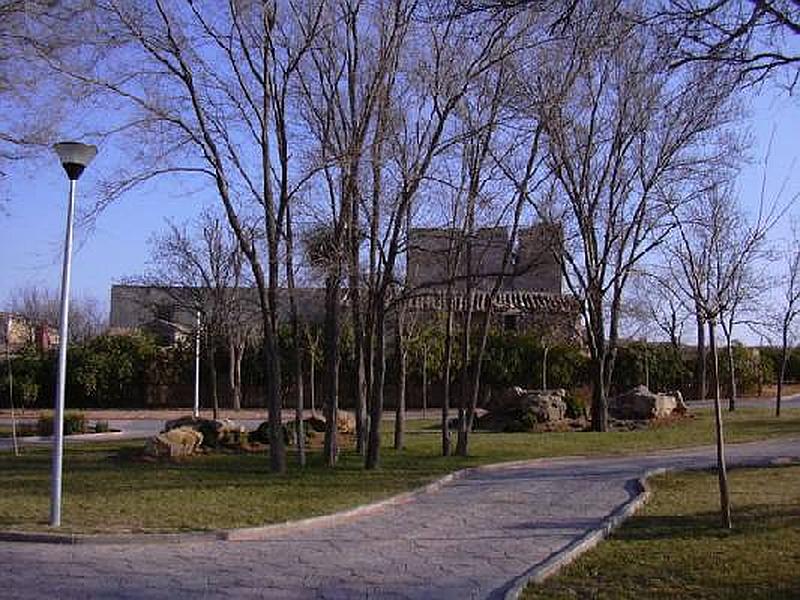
(170, 313)
(529, 297)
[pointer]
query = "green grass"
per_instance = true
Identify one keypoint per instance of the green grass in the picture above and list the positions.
(24, 428)
(675, 547)
(106, 492)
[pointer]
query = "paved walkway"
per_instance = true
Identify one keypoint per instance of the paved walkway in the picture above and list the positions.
(470, 539)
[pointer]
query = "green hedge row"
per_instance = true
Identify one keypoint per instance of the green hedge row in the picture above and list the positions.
(114, 371)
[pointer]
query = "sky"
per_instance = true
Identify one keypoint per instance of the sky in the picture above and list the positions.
(32, 222)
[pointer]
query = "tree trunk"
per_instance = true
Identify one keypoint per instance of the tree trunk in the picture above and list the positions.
(731, 374)
(300, 437)
(448, 362)
(354, 285)
(232, 373)
(312, 384)
(544, 367)
(400, 408)
(212, 371)
(461, 441)
(376, 413)
(297, 343)
(425, 382)
(361, 397)
(332, 334)
(237, 386)
(277, 448)
(722, 473)
(599, 399)
(782, 374)
(700, 371)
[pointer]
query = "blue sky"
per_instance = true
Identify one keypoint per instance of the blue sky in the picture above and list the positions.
(31, 234)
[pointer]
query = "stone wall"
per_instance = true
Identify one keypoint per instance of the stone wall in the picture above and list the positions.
(534, 265)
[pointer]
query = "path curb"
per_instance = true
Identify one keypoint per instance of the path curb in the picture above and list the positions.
(536, 574)
(589, 540)
(263, 532)
(247, 534)
(561, 558)
(252, 534)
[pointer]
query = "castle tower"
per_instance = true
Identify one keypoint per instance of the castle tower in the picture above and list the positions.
(537, 267)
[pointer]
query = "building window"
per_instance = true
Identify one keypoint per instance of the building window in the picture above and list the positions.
(510, 323)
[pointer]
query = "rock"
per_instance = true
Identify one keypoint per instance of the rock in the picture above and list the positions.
(518, 409)
(315, 424)
(230, 433)
(308, 432)
(642, 404)
(215, 433)
(175, 443)
(261, 434)
(345, 422)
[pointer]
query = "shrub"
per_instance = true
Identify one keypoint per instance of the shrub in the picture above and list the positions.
(110, 370)
(101, 427)
(668, 369)
(74, 422)
(576, 406)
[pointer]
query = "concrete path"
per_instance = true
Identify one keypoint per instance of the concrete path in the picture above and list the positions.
(472, 538)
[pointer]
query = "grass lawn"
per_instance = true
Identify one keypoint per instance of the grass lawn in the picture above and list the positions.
(104, 491)
(24, 428)
(675, 547)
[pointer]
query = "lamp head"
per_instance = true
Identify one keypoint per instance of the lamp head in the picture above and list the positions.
(75, 157)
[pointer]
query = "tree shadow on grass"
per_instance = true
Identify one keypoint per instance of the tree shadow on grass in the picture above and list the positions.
(707, 525)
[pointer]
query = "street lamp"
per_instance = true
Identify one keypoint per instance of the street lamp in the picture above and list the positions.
(196, 411)
(74, 157)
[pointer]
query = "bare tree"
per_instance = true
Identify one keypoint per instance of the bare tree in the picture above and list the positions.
(747, 289)
(206, 88)
(200, 267)
(789, 311)
(39, 110)
(757, 37)
(624, 134)
(344, 90)
(713, 250)
(657, 307)
(41, 305)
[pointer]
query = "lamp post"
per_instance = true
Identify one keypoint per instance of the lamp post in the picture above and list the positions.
(74, 158)
(196, 410)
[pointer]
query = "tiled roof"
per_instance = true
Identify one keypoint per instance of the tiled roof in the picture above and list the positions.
(521, 300)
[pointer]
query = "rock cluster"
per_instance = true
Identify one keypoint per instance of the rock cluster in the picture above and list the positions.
(175, 443)
(518, 409)
(315, 424)
(224, 432)
(641, 404)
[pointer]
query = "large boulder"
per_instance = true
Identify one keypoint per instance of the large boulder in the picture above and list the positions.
(518, 409)
(261, 434)
(224, 432)
(641, 404)
(175, 443)
(345, 422)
